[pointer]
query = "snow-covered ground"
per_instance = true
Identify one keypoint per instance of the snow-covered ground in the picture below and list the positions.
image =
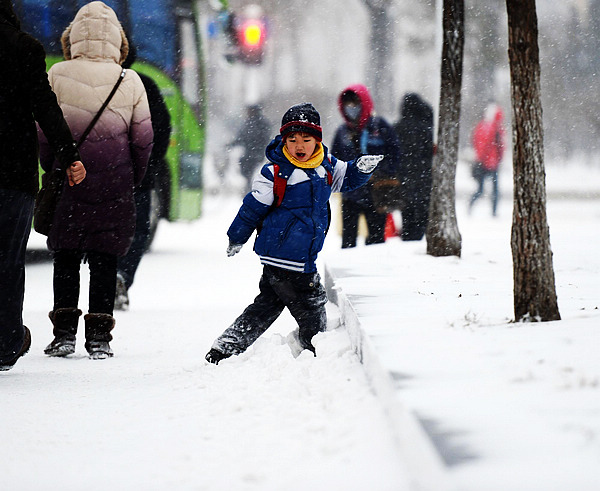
(504, 406)
(158, 417)
(507, 406)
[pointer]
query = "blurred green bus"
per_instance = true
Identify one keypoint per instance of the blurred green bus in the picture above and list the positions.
(165, 33)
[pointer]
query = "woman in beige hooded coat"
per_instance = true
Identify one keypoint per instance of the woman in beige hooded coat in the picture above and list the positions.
(96, 222)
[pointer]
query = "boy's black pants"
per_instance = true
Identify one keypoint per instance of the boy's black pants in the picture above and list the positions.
(303, 295)
(103, 280)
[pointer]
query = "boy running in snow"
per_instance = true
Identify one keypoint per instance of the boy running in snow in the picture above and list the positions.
(291, 222)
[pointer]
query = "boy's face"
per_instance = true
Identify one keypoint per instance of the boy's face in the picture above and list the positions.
(301, 145)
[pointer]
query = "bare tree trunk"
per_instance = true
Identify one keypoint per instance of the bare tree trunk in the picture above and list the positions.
(485, 49)
(380, 76)
(443, 237)
(534, 288)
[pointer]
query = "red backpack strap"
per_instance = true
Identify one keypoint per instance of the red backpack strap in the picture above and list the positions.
(329, 168)
(279, 185)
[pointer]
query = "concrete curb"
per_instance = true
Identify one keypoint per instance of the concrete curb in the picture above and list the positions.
(426, 469)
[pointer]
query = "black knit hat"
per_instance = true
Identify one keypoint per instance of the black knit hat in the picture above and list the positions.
(302, 118)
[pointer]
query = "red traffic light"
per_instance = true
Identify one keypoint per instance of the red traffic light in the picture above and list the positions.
(251, 35)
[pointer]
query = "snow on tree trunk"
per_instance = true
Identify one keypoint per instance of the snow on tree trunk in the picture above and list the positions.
(534, 288)
(443, 236)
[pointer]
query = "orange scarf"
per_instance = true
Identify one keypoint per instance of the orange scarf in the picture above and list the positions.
(312, 163)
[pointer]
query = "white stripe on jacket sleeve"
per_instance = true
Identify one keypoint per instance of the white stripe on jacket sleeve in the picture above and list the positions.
(262, 189)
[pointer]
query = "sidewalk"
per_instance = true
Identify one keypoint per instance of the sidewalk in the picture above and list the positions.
(478, 403)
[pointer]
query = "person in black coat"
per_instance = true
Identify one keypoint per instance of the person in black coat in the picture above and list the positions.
(157, 166)
(25, 97)
(415, 132)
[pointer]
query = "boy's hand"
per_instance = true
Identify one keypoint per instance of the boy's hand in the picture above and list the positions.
(367, 163)
(233, 249)
(76, 173)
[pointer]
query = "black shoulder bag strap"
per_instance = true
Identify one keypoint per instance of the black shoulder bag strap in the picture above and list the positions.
(101, 110)
(52, 182)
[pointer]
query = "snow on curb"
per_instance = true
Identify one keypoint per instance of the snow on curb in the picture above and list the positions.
(424, 464)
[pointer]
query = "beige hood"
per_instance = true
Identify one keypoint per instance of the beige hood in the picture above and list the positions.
(95, 34)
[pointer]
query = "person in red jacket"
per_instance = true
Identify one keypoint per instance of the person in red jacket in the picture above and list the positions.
(488, 144)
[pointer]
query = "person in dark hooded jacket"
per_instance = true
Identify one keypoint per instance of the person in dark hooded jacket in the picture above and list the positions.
(25, 97)
(157, 167)
(415, 132)
(364, 133)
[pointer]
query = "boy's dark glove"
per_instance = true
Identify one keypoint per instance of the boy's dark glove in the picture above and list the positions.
(367, 163)
(233, 249)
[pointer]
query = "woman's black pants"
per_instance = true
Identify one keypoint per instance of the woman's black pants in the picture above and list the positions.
(103, 280)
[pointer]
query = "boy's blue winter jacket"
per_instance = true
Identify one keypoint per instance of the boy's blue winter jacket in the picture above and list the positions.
(291, 235)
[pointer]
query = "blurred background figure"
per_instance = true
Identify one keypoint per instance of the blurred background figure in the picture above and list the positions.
(415, 132)
(157, 165)
(253, 136)
(488, 144)
(364, 133)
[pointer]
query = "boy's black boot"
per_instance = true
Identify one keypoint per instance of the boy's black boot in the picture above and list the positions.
(97, 335)
(215, 356)
(65, 328)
